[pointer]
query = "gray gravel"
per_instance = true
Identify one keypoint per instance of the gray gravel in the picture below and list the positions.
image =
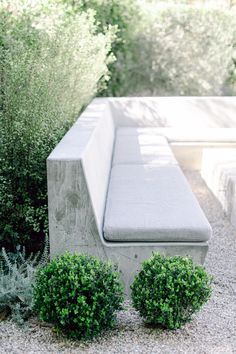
(213, 330)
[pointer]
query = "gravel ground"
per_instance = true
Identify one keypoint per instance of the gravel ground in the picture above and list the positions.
(213, 330)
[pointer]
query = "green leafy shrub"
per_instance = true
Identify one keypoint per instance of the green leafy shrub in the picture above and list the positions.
(17, 276)
(51, 63)
(79, 294)
(168, 290)
(181, 50)
(120, 14)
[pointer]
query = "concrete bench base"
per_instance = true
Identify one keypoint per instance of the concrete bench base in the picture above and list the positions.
(129, 256)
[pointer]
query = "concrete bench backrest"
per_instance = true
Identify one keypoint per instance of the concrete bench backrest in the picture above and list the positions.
(87, 145)
(193, 114)
(96, 161)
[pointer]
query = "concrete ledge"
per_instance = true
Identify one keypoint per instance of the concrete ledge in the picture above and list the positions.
(190, 154)
(219, 172)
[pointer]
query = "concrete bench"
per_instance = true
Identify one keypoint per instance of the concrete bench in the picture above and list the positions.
(116, 191)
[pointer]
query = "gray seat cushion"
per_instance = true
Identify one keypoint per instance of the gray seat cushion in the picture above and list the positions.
(132, 147)
(152, 203)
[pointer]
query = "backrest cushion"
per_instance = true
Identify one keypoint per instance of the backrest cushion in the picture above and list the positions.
(96, 162)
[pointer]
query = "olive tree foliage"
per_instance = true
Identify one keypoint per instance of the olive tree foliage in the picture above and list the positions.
(213, 3)
(51, 64)
(124, 15)
(181, 50)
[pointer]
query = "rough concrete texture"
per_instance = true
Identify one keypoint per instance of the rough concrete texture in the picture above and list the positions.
(212, 331)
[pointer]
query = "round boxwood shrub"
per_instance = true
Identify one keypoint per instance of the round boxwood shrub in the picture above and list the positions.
(79, 294)
(168, 290)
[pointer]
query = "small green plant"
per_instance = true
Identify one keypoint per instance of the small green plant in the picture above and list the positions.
(17, 276)
(79, 294)
(168, 290)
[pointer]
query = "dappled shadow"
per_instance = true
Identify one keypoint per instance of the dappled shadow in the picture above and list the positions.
(181, 112)
(221, 111)
(138, 112)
